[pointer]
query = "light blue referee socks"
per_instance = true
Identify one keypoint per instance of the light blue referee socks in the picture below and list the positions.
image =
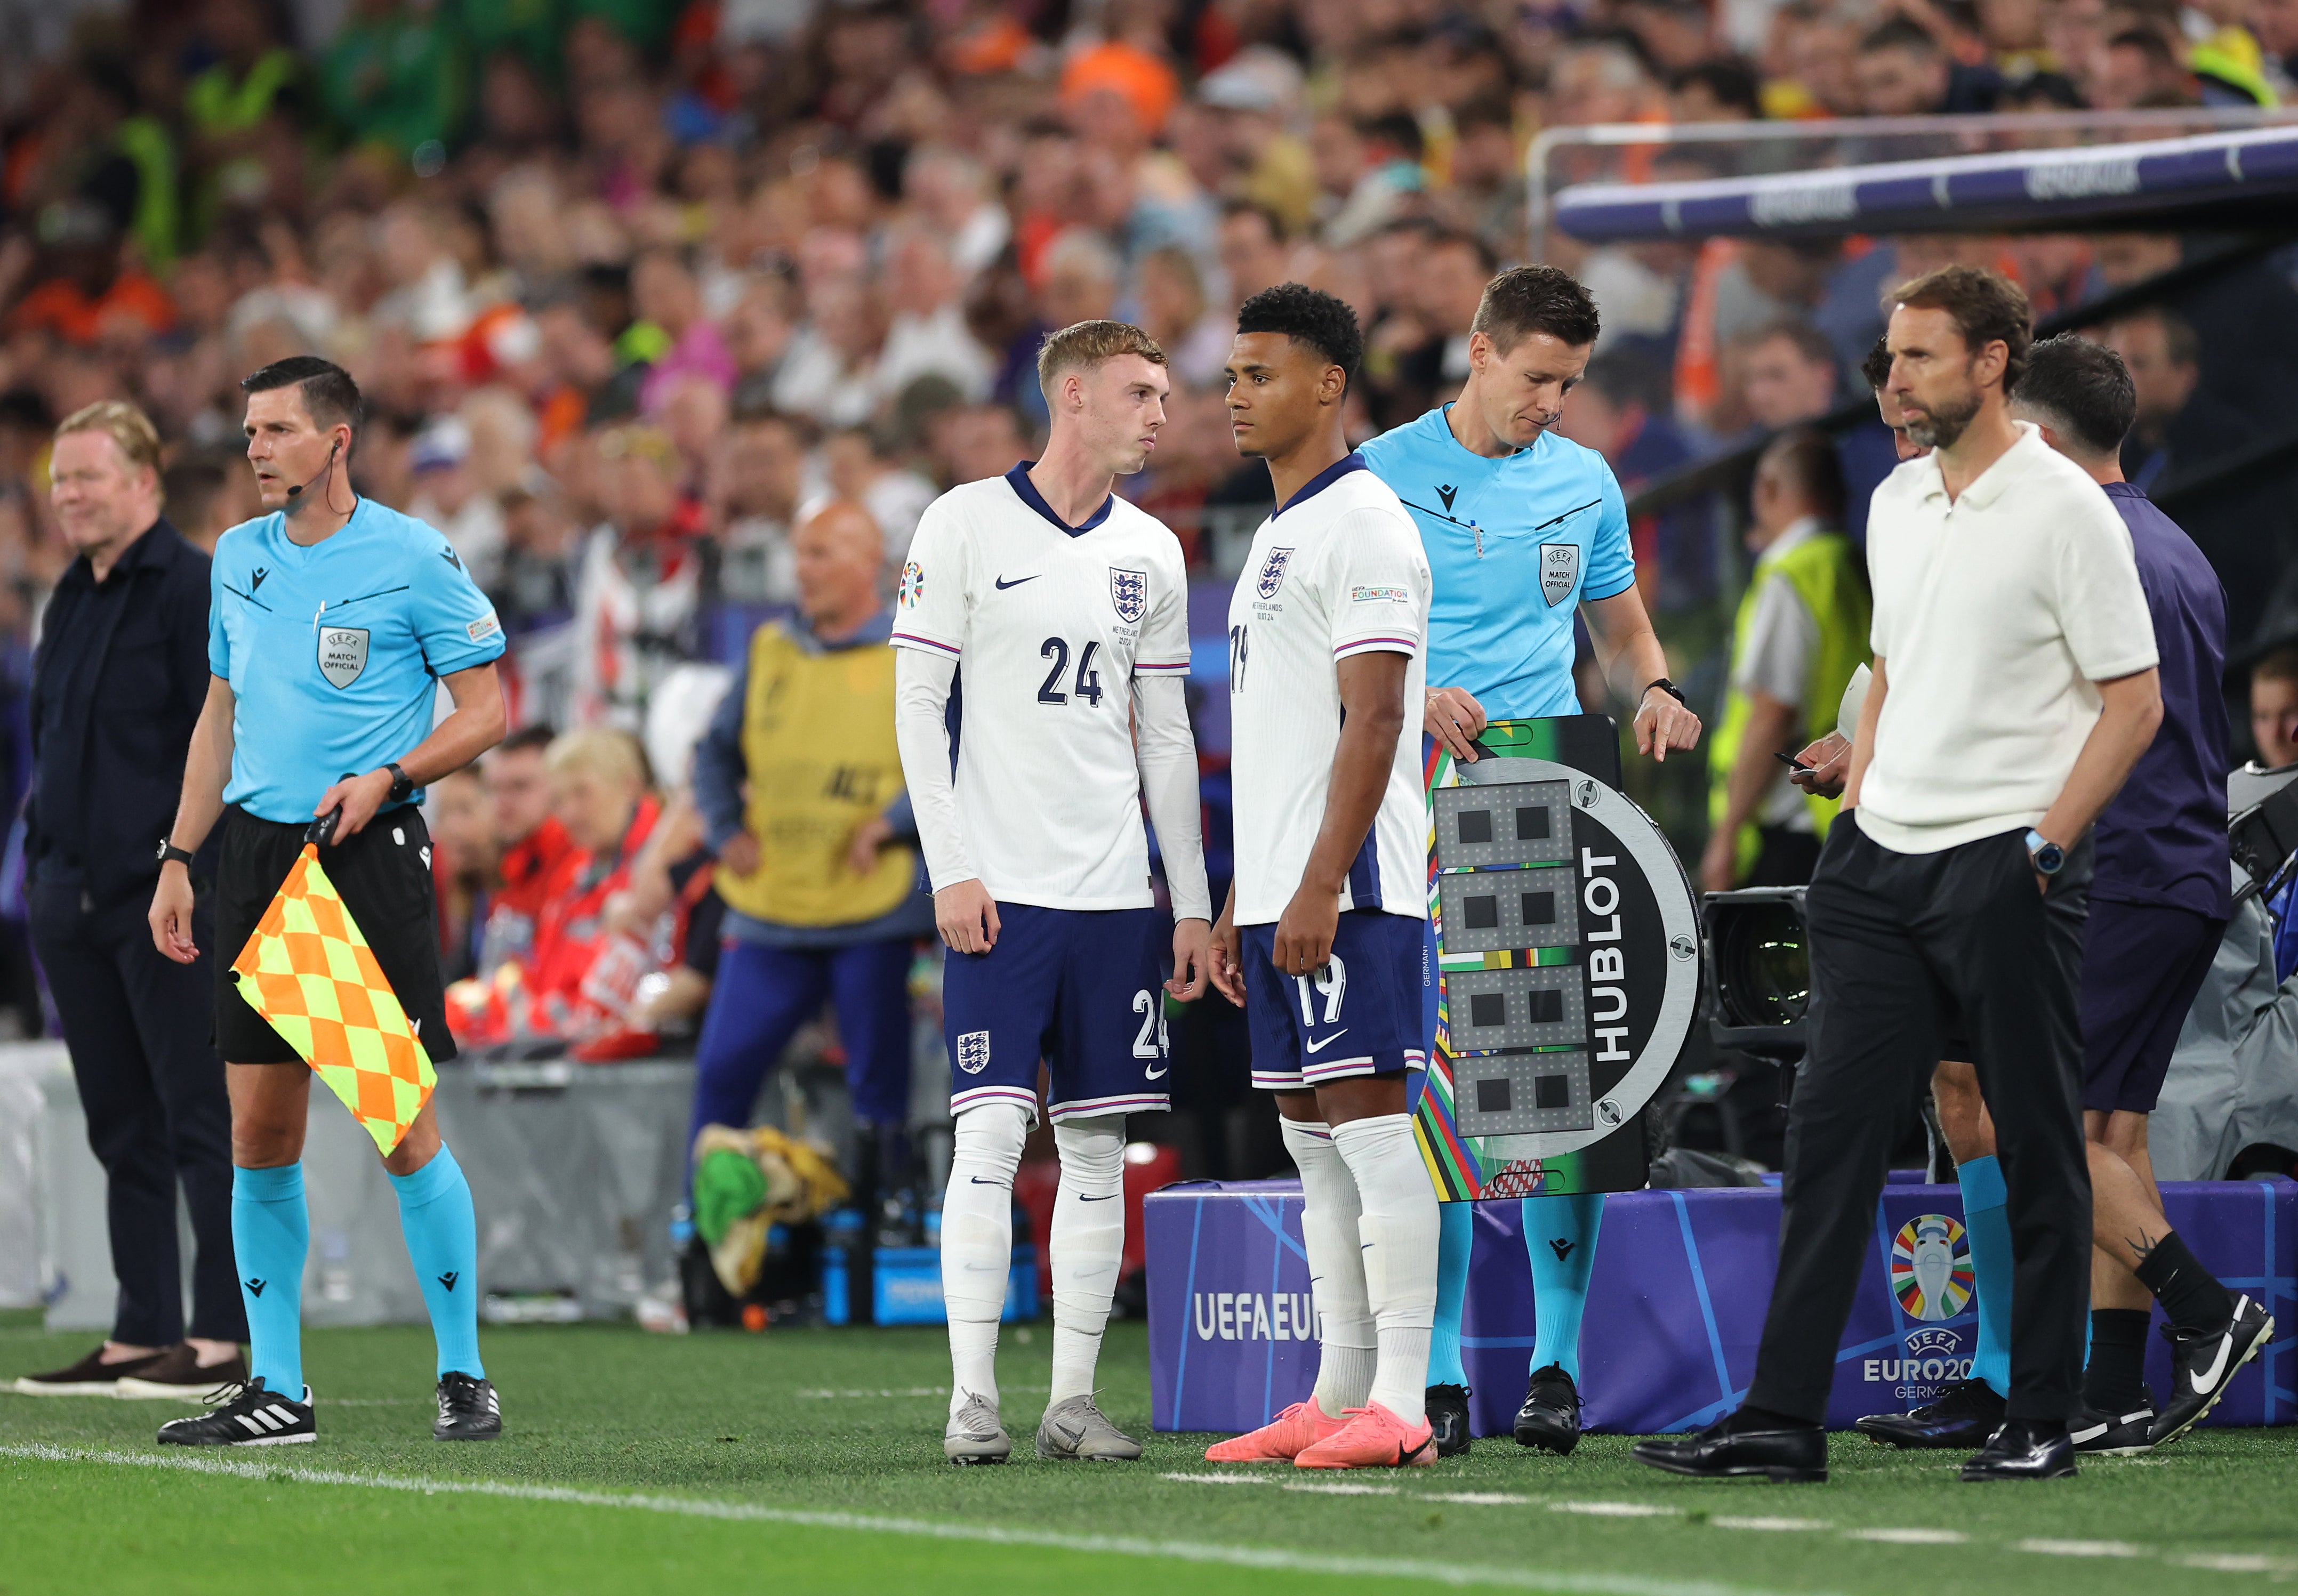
(1454, 1240)
(1560, 1234)
(442, 1243)
(1986, 1227)
(271, 1232)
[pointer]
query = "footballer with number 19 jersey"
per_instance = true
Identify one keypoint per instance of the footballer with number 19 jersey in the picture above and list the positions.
(1336, 571)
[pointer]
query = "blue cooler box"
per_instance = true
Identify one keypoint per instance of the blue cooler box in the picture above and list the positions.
(906, 1286)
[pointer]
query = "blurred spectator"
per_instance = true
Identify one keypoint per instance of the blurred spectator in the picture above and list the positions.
(462, 821)
(535, 859)
(1904, 71)
(760, 478)
(2274, 708)
(2141, 72)
(1618, 411)
(823, 904)
(583, 974)
(2180, 425)
(448, 496)
(1787, 374)
(1801, 631)
(1174, 313)
(861, 468)
(666, 297)
(928, 335)
(1721, 90)
(1252, 250)
(951, 194)
(1738, 287)
(639, 589)
(1365, 172)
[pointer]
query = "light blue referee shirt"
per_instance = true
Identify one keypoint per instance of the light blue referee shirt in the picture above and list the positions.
(333, 652)
(1514, 545)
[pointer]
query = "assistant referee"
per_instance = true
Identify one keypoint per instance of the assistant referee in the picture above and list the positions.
(330, 619)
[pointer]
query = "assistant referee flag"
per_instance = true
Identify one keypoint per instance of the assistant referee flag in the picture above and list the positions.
(307, 969)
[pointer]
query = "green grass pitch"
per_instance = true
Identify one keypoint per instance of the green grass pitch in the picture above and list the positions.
(809, 1460)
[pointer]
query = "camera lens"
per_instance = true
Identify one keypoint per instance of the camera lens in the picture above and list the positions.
(1763, 965)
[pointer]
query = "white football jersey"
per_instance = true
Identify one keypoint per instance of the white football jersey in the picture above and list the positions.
(1339, 570)
(1049, 624)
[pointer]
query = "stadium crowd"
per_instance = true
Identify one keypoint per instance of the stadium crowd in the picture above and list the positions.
(632, 289)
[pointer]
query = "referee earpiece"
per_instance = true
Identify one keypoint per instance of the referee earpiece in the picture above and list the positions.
(333, 450)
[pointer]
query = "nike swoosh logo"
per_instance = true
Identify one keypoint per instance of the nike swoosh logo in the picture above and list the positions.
(978, 1180)
(1157, 1074)
(2208, 1381)
(1111, 1197)
(1002, 585)
(1327, 1042)
(1404, 1458)
(2092, 1434)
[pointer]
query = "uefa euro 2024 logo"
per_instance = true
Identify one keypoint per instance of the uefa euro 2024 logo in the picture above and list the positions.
(1930, 1267)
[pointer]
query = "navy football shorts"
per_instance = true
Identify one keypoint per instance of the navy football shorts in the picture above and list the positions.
(1081, 988)
(1362, 1014)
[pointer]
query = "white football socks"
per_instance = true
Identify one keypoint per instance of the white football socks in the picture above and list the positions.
(1089, 1244)
(1337, 1272)
(977, 1242)
(1398, 1226)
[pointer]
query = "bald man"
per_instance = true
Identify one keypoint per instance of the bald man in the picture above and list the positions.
(801, 786)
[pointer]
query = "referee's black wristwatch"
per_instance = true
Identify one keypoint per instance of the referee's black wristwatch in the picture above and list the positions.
(1665, 686)
(169, 851)
(402, 785)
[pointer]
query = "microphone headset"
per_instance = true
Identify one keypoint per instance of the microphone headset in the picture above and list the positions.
(332, 448)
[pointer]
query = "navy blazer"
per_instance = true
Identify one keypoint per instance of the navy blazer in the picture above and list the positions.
(117, 681)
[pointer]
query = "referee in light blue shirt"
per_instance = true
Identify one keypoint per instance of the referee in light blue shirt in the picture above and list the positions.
(330, 621)
(1524, 531)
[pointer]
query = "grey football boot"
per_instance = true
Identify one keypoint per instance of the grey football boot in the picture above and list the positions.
(974, 1435)
(1073, 1429)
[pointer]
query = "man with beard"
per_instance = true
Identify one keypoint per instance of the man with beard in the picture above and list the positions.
(2014, 687)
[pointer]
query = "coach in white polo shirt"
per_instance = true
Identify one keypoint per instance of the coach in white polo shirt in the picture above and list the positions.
(2014, 689)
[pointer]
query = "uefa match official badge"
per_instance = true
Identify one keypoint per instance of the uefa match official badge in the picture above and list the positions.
(913, 584)
(1559, 572)
(1272, 572)
(1129, 590)
(342, 654)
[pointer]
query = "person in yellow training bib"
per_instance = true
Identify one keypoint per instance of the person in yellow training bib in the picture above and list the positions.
(1801, 631)
(795, 779)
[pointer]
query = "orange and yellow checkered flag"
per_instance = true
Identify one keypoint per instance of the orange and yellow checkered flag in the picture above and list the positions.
(308, 970)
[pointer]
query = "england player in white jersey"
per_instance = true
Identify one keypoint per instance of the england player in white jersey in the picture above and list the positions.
(1323, 938)
(1061, 612)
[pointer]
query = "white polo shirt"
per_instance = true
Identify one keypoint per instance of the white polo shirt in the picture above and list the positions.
(1994, 614)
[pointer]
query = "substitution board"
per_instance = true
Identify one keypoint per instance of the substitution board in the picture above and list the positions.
(1568, 965)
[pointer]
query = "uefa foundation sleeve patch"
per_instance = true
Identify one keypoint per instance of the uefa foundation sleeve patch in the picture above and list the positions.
(308, 970)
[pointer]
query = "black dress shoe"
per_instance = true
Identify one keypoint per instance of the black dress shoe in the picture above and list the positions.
(1549, 1418)
(1963, 1419)
(2019, 1452)
(1784, 1457)
(1448, 1417)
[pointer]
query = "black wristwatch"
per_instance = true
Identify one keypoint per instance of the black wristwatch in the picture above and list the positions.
(169, 850)
(402, 785)
(1665, 686)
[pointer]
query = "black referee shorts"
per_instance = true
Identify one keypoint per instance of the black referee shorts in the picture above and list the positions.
(385, 876)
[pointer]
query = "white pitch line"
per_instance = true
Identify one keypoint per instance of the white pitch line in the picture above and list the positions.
(1221, 1479)
(1776, 1524)
(1282, 1559)
(1344, 1490)
(2081, 1548)
(2237, 1562)
(1613, 1510)
(1909, 1537)
(831, 1394)
(1479, 1499)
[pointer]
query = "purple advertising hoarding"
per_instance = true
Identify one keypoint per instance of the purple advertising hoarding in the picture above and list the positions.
(1675, 1311)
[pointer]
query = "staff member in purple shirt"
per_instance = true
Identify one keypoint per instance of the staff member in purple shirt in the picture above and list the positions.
(2159, 901)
